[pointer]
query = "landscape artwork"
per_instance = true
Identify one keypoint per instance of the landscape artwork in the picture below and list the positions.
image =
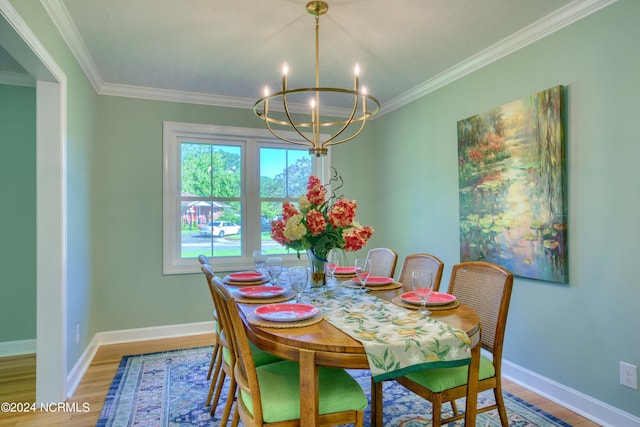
(511, 167)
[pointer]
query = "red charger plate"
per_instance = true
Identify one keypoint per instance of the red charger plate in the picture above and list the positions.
(246, 276)
(286, 312)
(261, 291)
(436, 298)
(345, 270)
(375, 280)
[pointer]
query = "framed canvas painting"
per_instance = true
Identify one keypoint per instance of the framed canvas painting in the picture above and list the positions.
(511, 169)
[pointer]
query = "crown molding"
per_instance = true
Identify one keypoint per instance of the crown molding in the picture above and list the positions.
(63, 22)
(551, 23)
(157, 94)
(540, 29)
(16, 79)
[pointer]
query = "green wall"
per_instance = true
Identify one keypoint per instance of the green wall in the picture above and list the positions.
(577, 333)
(80, 142)
(18, 213)
(406, 187)
(127, 216)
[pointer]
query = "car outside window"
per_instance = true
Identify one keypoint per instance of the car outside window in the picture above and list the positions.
(221, 188)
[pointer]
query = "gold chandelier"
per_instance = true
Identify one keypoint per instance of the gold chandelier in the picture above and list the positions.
(309, 127)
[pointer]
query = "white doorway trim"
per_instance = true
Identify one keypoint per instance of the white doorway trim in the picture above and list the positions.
(51, 216)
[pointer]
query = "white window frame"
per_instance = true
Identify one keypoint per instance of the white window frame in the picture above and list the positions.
(250, 139)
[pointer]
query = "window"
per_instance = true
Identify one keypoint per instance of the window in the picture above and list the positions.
(222, 187)
(283, 177)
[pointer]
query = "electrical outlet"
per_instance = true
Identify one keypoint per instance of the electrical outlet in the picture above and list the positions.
(629, 375)
(78, 335)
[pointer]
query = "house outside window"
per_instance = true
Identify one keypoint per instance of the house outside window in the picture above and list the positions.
(222, 187)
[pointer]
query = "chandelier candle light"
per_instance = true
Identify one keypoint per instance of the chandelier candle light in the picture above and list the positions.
(309, 128)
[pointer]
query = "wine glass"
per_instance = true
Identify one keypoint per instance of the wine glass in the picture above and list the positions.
(298, 280)
(334, 259)
(363, 270)
(274, 267)
(259, 259)
(422, 283)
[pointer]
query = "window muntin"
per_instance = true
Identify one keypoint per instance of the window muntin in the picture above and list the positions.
(216, 155)
(211, 193)
(283, 177)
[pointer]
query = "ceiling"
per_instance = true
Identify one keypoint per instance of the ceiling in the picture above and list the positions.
(223, 52)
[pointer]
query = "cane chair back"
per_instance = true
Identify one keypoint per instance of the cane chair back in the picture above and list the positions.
(341, 400)
(383, 261)
(415, 262)
(487, 289)
(202, 259)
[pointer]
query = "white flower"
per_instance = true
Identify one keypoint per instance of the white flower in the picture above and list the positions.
(303, 203)
(294, 229)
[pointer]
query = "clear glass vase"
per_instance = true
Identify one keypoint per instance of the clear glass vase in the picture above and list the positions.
(318, 268)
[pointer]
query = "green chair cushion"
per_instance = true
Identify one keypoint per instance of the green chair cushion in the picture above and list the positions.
(440, 379)
(260, 357)
(280, 391)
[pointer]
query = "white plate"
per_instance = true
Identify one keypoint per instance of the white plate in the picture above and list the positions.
(286, 312)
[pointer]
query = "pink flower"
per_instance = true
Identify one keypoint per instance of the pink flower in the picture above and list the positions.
(316, 222)
(277, 231)
(356, 237)
(343, 213)
(316, 192)
(288, 210)
(320, 224)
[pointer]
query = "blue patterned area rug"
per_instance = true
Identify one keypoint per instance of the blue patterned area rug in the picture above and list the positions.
(170, 388)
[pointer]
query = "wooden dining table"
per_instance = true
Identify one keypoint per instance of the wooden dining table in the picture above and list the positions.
(322, 344)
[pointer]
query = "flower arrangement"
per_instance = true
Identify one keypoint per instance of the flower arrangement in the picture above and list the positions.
(320, 224)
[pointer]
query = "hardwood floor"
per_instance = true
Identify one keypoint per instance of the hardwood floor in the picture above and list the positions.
(17, 384)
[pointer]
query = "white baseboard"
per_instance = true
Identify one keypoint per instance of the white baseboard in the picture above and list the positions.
(580, 403)
(81, 366)
(17, 348)
(128, 335)
(588, 407)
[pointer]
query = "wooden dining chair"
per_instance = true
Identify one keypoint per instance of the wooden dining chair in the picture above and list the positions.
(216, 355)
(269, 395)
(383, 261)
(203, 259)
(486, 288)
(421, 262)
(224, 367)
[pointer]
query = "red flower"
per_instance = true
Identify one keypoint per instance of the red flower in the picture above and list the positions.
(316, 192)
(288, 210)
(356, 237)
(475, 155)
(320, 224)
(277, 231)
(343, 213)
(316, 222)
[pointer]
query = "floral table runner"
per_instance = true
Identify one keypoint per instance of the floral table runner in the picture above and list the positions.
(397, 340)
